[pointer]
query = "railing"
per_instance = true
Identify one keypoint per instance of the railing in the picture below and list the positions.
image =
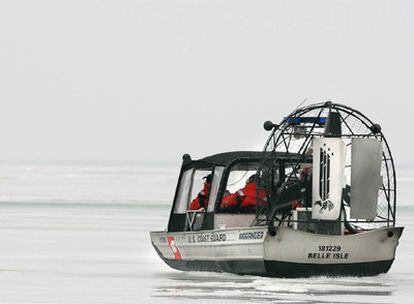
(194, 220)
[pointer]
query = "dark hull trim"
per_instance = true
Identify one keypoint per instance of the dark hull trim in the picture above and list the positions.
(285, 269)
(282, 269)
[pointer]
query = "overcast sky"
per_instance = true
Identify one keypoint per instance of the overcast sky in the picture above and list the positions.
(150, 80)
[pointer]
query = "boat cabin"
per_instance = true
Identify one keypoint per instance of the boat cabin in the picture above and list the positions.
(227, 173)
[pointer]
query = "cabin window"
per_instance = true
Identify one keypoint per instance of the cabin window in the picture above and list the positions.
(238, 177)
(183, 192)
(198, 182)
(240, 192)
(192, 186)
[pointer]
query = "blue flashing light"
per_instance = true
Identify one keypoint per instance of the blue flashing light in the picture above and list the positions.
(299, 120)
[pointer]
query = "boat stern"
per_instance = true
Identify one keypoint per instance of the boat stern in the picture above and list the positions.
(293, 253)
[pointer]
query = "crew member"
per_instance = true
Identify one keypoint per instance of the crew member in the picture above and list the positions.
(305, 183)
(200, 202)
(247, 197)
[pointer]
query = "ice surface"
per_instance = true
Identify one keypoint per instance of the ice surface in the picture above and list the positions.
(80, 235)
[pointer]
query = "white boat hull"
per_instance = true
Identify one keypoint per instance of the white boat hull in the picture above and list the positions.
(290, 253)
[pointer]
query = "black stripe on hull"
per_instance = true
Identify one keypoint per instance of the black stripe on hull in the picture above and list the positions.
(256, 267)
(282, 269)
(252, 267)
(294, 270)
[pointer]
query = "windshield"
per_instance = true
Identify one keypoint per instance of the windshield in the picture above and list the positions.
(193, 190)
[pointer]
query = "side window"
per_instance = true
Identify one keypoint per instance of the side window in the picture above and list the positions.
(238, 177)
(183, 192)
(243, 191)
(200, 189)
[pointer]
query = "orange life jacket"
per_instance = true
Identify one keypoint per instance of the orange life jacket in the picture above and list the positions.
(248, 196)
(201, 198)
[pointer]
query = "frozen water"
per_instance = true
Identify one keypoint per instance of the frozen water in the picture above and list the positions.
(79, 234)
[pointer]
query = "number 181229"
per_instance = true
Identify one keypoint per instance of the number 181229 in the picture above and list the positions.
(329, 248)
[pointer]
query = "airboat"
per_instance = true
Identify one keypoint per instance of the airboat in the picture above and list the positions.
(329, 207)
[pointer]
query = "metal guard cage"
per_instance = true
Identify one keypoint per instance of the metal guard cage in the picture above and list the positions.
(294, 136)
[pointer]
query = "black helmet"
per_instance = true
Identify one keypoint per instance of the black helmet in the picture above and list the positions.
(253, 178)
(208, 178)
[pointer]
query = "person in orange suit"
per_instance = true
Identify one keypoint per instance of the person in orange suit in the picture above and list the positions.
(200, 201)
(247, 197)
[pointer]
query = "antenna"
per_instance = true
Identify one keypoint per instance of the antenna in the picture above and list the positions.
(301, 104)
